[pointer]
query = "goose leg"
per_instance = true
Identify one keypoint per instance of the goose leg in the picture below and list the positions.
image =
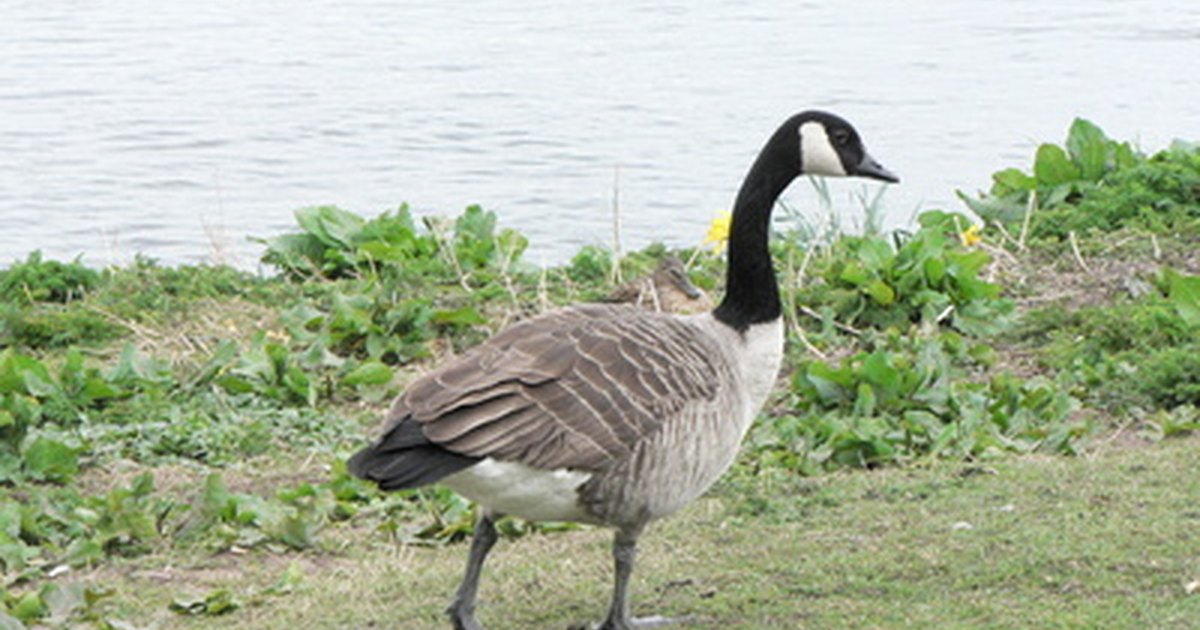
(462, 609)
(624, 551)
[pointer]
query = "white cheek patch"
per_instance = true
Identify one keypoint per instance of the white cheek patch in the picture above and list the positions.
(817, 155)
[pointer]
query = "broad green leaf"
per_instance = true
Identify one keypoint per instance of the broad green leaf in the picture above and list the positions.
(10, 520)
(51, 460)
(1124, 156)
(1089, 149)
(939, 221)
(369, 373)
(15, 556)
(29, 607)
(474, 237)
(967, 264)
(135, 370)
(880, 292)
(235, 384)
(10, 466)
(1184, 293)
(929, 423)
(381, 251)
(297, 253)
(1012, 180)
(332, 225)
(297, 382)
(828, 383)
(864, 401)
(854, 274)
(1052, 166)
(944, 439)
(464, 316)
(216, 501)
(1058, 194)
(84, 552)
(217, 602)
(18, 370)
(1005, 208)
(935, 270)
(877, 369)
(875, 254)
(39, 384)
(99, 389)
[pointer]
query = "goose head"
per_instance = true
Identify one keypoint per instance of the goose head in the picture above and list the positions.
(668, 289)
(830, 146)
(809, 143)
(671, 274)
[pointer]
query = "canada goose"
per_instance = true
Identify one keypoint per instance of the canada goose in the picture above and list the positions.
(609, 414)
(668, 290)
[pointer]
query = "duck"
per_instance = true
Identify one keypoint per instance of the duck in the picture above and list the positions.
(609, 414)
(668, 289)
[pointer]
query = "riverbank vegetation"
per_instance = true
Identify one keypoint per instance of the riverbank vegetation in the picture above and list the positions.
(986, 418)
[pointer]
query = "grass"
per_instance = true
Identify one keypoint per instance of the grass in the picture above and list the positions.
(1101, 541)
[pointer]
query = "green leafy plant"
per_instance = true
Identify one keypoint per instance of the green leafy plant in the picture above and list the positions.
(64, 526)
(45, 326)
(212, 604)
(1183, 292)
(1134, 354)
(928, 279)
(37, 280)
(335, 243)
(1095, 184)
(909, 399)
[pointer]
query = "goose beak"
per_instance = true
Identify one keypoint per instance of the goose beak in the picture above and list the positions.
(868, 167)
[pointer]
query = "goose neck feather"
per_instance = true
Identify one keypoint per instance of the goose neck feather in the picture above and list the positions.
(751, 291)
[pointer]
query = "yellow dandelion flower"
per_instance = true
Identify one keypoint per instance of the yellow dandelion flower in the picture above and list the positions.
(718, 231)
(970, 237)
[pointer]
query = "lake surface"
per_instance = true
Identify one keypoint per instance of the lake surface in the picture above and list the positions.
(178, 129)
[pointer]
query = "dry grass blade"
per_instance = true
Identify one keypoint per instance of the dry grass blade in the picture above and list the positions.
(1029, 208)
(615, 277)
(1075, 251)
(846, 328)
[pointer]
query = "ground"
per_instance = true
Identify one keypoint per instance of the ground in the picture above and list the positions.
(1107, 540)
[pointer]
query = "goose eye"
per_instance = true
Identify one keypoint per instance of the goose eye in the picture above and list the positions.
(841, 137)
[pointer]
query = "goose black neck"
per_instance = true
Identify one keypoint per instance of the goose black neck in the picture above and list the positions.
(751, 291)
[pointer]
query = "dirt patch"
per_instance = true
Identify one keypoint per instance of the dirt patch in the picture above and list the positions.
(1125, 268)
(172, 479)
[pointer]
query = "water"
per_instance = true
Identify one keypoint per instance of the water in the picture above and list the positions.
(177, 129)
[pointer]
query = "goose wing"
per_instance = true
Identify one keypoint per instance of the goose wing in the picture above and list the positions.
(576, 388)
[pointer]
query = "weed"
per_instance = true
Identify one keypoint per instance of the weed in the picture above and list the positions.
(1096, 185)
(910, 398)
(37, 280)
(928, 279)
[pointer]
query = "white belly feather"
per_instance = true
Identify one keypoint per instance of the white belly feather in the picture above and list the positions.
(519, 490)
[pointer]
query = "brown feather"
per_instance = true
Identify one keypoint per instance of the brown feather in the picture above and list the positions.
(576, 388)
